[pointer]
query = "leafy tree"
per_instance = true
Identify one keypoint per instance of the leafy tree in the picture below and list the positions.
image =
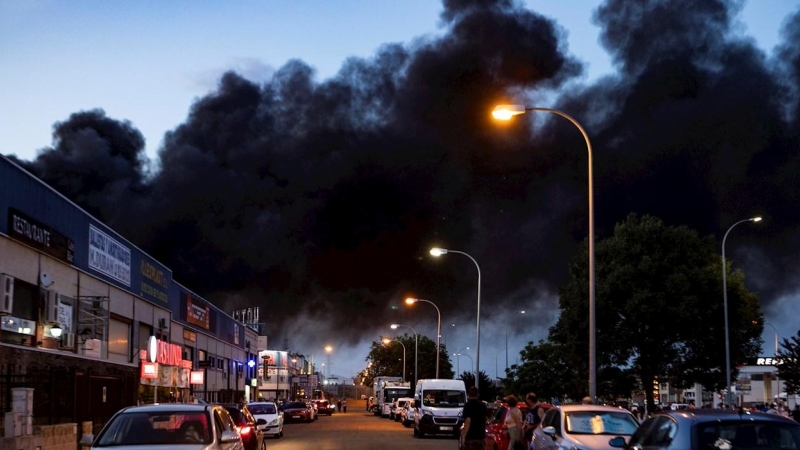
(789, 369)
(659, 308)
(487, 389)
(544, 371)
(387, 360)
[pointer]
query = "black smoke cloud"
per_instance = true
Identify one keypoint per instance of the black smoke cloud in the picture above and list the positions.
(319, 200)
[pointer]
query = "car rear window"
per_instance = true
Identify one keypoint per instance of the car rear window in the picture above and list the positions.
(748, 435)
(235, 413)
(295, 405)
(157, 428)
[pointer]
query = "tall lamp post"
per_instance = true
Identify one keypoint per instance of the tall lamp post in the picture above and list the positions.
(411, 301)
(387, 341)
(506, 112)
(458, 366)
(394, 326)
(776, 336)
(725, 308)
(443, 251)
(459, 354)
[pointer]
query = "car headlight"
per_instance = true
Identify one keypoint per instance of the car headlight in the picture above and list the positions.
(273, 422)
(427, 413)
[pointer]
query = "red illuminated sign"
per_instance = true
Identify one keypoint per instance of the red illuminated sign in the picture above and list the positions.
(168, 354)
(149, 370)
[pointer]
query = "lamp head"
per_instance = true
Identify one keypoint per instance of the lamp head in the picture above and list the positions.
(394, 326)
(756, 219)
(386, 341)
(506, 112)
(411, 301)
(56, 331)
(436, 251)
(328, 348)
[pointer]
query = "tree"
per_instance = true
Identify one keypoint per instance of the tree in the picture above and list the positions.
(659, 308)
(544, 371)
(388, 360)
(487, 390)
(789, 368)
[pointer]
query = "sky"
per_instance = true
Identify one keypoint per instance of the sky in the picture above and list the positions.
(158, 66)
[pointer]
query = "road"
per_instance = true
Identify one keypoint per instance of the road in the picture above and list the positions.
(355, 430)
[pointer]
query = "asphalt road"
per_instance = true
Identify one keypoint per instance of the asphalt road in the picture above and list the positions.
(355, 430)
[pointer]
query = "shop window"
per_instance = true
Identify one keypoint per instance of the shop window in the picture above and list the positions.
(202, 355)
(118, 338)
(26, 300)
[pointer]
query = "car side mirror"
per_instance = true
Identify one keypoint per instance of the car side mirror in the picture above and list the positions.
(617, 442)
(86, 441)
(550, 431)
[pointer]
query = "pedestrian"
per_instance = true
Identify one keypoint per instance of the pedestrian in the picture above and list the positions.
(796, 413)
(533, 418)
(513, 424)
(586, 400)
(344, 405)
(473, 433)
(773, 409)
(338, 406)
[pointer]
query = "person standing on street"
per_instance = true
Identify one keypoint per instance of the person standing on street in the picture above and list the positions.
(533, 418)
(796, 413)
(513, 424)
(344, 405)
(474, 431)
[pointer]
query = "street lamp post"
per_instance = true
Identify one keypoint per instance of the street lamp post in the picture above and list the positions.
(776, 336)
(394, 326)
(505, 112)
(443, 251)
(458, 366)
(471, 362)
(725, 308)
(387, 341)
(411, 301)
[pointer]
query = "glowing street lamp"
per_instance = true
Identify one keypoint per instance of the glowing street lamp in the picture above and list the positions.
(506, 112)
(387, 341)
(394, 326)
(443, 251)
(725, 307)
(458, 360)
(411, 301)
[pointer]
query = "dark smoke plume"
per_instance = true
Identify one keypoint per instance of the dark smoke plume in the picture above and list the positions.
(318, 201)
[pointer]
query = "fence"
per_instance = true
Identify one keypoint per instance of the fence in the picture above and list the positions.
(53, 395)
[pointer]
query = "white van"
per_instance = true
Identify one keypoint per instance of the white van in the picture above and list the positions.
(437, 407)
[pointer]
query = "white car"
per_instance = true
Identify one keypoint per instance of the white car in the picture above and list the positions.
(583, 426)
(268, 411)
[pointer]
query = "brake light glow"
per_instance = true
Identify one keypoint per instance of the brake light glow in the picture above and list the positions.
(243, 431)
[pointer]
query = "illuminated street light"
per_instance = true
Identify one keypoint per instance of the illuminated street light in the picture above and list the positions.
(506, 112)
(394, 326)
(471, 362)
(458, 366)
(387, 341)
(725, 307)
(436, 251)
(411, 301)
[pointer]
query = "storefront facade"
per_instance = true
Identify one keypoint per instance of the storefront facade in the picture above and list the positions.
(80, 301)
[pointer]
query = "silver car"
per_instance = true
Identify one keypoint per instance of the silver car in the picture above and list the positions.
(586, 427)
(189, 426)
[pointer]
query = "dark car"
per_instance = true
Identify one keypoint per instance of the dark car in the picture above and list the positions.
(714, 429)
(324, 407)
(297, 412)
(247, 426)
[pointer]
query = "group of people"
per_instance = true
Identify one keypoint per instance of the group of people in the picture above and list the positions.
(520, 429)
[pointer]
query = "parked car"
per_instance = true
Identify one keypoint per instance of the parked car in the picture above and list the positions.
(496, 435)
(184, 426)
(247, 426)
(583, 426)
(270, 413)
(713, 429)
(398, 406)
(324, 407)
(297, 412)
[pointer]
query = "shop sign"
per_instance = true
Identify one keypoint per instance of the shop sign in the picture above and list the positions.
(149, 370)
(40, 236)
(166, 354)
(154, 281)
(768, 362)
(197, 313)
(197, 377)
(109, 257)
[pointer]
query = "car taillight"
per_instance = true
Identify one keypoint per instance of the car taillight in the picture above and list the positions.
(243, 431)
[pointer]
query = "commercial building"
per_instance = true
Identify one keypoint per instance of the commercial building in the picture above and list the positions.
(81, 307)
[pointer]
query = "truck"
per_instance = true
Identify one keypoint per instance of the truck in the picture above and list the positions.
(387, 390)
(438, 407)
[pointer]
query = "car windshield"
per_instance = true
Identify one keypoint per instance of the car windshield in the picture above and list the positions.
(262, 408)
(749, 435)
(157, 428)
(443, 398)
(600, 422)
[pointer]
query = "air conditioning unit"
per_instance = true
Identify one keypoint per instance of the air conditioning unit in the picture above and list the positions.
(162, 323)
(50, 313)
(7, 299)
(68, 340)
